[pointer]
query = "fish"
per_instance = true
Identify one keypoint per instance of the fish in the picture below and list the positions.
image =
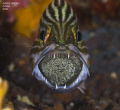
(59, 56)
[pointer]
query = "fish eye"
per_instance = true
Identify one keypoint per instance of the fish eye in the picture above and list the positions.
(42, 35)
(79, 36)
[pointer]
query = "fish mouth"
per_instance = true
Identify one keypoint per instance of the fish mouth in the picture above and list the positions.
(61, 68)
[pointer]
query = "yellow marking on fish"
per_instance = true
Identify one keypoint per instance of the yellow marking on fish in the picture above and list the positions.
(46, 37)
(73, 30)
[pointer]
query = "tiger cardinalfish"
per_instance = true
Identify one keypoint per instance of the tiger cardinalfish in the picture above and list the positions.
(59, 56)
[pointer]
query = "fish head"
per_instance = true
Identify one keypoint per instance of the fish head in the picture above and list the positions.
(56, 57)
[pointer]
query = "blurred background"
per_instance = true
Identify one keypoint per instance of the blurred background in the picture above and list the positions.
(99, 22)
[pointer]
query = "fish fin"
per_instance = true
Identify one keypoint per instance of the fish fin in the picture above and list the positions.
(14, 48)
(81, 87)
(22, 44)
(21, 40)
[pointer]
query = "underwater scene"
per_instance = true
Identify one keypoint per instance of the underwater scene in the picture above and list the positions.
(59, 54)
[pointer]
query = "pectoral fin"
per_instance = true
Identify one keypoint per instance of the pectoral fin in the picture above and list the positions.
(81, 87)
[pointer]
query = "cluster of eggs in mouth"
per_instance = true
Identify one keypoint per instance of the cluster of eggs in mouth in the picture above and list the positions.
(61, 70)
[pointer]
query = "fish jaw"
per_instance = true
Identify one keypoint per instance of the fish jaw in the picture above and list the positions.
(70, 52)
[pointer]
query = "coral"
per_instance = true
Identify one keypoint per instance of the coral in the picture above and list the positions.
(4, 102)
(28, 18)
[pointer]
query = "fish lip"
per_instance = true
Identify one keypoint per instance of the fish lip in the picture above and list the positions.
(61, 89)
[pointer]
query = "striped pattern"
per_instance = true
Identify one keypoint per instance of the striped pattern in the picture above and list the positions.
(60, 17)
(58, 12)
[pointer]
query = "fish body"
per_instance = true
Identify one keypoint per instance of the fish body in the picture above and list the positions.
(59, 56)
